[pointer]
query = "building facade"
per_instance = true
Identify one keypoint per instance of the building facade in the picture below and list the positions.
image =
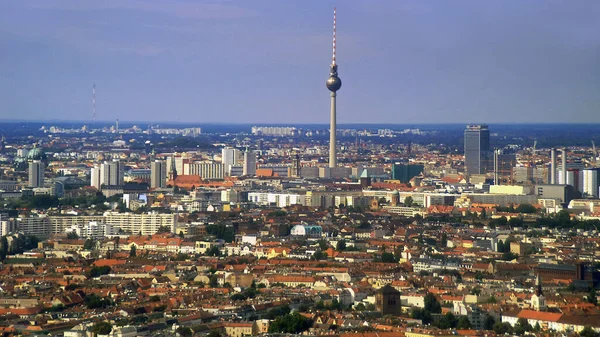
(477, 149)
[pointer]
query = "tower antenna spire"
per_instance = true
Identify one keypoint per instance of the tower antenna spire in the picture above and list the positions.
(334, 36)
(94, 103)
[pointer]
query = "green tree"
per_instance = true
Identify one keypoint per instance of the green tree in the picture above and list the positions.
(3, 248)
(588, 332)
(526, 208)
(422, 314)
(98, 271)
(483, 214)
(502, 328)
(290, 323)
(214, 333)
(463, 323)
(101, 328)
(488, 323)
(133, 251)
(408, 201)
(184, 331)
(341, 245)
(388, 258)
(164, 229)
(508, 256)
(319, 255)
(444, 241)
(89, 244)
(522, 326)
(213, 251)
(591, 297)
(448, 321)
(431, 304)
(213, 281)
(94, 301)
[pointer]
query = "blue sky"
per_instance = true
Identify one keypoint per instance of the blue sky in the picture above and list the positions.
(401, 61)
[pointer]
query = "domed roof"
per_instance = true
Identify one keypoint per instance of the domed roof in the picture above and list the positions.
(36, 154)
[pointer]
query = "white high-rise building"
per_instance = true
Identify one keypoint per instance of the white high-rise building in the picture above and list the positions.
(36, 173)
(249, 168)
(158, 174)
(179, 164)
(95, 175)
(111, 173)
(591, 182)
(229, 158)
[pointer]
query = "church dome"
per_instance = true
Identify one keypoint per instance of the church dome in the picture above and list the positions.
(36, 154)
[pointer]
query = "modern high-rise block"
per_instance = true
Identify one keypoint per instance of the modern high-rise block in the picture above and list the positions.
(95, 175)
(229, 158)
(249, 168)
(591, 182)
(111, 173)
(36, 173)
(477, 149)
(158, 174)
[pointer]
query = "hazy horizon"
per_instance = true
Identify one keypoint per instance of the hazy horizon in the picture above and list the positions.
(266, 62)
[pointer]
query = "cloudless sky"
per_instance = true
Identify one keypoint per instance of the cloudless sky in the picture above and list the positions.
(259, 61)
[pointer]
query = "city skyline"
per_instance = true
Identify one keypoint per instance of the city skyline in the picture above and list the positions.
(408, 62)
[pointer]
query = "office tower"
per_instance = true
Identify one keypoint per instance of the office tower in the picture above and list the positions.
(295, 170)
(405, 172)
(249, 168)
(477, 149)
(111, 173)
(36, 173)
(95, 175)
(503, 166)
(158, 174)
(229, 158)
(591, 182)
(334, 83)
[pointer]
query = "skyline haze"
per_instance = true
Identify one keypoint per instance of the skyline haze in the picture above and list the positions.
(266, 61)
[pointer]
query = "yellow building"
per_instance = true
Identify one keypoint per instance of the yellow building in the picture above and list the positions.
(241, 329)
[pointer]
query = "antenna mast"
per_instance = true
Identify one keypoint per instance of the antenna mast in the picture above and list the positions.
(334, 40)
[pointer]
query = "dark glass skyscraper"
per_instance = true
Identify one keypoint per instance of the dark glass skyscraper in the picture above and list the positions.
(477, 149)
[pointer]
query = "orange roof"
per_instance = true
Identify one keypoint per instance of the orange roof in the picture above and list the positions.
(108, 262)
(539, 315)
(265, 172)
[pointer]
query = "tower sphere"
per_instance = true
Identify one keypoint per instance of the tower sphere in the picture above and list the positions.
(334, 83)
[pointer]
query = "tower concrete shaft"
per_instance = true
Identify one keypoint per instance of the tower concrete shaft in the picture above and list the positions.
(332, 132)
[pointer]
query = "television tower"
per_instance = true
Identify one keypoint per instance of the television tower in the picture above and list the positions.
(94, 103)
(334, 83)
